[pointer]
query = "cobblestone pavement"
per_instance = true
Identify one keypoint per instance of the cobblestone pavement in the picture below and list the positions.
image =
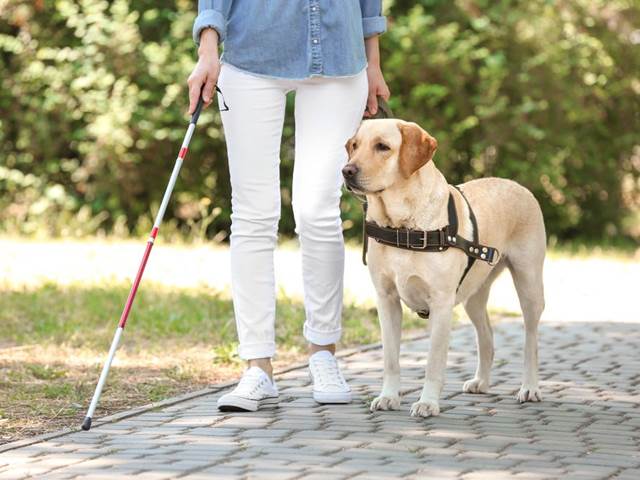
(588, 425)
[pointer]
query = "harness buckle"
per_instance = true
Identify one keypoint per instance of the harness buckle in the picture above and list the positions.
(424, 242)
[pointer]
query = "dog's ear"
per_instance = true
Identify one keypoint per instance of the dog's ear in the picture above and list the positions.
(416, 150)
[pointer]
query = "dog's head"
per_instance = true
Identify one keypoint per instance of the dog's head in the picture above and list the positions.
(383, 152)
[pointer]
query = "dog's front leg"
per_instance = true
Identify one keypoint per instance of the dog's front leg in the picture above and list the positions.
(440, 318)
(390, 316)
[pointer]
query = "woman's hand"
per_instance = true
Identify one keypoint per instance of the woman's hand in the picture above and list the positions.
(377, 85)
(206, 71)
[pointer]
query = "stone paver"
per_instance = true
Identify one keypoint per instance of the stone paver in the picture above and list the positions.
(588, 425)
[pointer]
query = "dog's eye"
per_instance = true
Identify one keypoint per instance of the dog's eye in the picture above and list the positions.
(382, 147)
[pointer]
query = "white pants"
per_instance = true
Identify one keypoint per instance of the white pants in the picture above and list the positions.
(327, 113)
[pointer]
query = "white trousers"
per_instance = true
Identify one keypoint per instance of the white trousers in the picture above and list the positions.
(327, 113)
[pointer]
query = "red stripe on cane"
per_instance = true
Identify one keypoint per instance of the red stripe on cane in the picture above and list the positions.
(134, 287)
(136, 283)
(183, 153)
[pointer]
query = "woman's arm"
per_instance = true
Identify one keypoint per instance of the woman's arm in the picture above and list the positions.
(209, 29)
(373, 24)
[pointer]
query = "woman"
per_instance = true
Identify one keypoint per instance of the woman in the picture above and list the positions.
(327, 52)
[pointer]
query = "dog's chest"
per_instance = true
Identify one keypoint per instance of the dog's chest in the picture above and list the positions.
(412, 284)
(414, 292)
(421, 279)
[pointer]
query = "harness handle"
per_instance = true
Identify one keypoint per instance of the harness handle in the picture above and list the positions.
(496, 258)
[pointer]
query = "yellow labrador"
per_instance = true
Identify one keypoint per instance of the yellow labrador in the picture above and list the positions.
(390, 161)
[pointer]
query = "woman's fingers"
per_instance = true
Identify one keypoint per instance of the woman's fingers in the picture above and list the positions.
(195, 86)
(385, 92)
(202, 80)
(195, 82)
(377, 86)
(372, 102)
(207, 91)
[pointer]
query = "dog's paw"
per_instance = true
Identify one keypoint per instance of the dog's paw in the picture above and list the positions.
(475, 385)
(425, 409)
(529, 393)
(384, 402)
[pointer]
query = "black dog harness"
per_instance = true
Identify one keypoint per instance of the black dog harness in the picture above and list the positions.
(432, 240)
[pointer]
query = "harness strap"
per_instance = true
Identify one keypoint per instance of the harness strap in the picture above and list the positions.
(428, 241)
(432, 240)
(453, 217)
(474, 224)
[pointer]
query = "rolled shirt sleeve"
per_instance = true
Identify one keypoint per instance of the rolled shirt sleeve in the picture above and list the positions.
(214, 14)
(373, 22)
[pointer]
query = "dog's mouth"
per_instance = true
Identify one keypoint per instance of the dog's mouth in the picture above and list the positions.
(355, 187)
(352, 186)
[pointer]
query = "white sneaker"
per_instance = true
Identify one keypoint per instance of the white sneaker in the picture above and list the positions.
(329, 386)
(255, 390)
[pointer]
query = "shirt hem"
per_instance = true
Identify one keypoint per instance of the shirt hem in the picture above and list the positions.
(277, 77)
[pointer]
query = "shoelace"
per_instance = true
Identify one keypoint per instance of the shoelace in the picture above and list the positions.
(250, 383)
(328, 372)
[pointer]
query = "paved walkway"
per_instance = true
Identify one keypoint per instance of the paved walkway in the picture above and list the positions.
(587, 427)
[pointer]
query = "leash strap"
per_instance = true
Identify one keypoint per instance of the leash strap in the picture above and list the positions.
(365, 237)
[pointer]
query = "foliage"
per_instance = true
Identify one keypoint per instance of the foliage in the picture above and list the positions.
(93, 102)
(544, 92)
(93, 111)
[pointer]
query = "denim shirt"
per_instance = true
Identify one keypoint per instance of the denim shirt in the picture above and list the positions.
(292, 39)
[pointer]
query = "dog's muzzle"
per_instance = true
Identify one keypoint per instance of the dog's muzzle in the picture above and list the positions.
(349, 173)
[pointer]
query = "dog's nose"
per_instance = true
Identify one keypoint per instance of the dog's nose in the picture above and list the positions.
(349, 170)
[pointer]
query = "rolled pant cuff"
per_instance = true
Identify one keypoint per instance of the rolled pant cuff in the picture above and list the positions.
(321, 338)
(250, 351)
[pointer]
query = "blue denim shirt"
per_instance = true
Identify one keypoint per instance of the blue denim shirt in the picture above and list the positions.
(293, 39)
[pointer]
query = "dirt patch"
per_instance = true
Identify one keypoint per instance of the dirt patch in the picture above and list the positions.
(43, 389)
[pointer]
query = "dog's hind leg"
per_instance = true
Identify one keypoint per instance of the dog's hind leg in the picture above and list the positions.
(476, 308)
(527, 278)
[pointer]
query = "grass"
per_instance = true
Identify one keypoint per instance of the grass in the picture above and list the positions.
(626, 250)
(54, 340)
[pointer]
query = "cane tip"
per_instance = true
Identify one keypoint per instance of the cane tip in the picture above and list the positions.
(86, 425)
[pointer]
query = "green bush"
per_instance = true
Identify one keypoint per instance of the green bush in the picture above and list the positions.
(94, 107)
(93, 100)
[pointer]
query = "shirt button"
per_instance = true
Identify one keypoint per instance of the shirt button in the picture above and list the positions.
(315, 40)
(313, 9)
